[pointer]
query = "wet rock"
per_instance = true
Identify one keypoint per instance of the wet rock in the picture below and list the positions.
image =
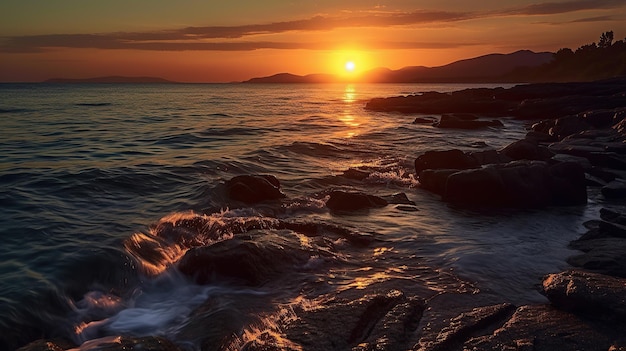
(254, 188)
(612, 216)
(435, 179)
(526, 149)
(449, 159)
(356, 174)
(544, 328)
(614, 190)
(602, 255)
(47, 345)
(123, 343)
(600, 118)
(518, 184)
(594, 295)
(462, 121)
(566, 126)
(352, 201)
(381, 320)
(253, 261)
(424, 120)
(489, 157)
(466, 325)
(398, 199)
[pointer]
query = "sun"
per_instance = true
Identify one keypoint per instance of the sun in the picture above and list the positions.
(350, 66)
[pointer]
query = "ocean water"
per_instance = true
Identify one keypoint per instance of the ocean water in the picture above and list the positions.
(91, 174)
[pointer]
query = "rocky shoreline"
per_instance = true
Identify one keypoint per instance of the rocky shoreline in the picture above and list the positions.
(576, 144)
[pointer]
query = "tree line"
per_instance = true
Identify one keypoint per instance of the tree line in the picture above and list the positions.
(602, 60)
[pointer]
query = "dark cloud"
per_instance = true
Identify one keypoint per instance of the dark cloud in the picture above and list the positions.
(202, 38)
(553, 8)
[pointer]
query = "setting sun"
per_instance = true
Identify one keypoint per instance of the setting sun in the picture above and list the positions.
(350, 66)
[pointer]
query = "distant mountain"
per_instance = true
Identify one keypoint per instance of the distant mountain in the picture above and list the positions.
(110, 79)
(487, 68)
(292, 78)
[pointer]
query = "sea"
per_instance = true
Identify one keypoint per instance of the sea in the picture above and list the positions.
(89, 172)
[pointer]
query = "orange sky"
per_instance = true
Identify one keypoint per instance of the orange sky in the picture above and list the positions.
(199, 41)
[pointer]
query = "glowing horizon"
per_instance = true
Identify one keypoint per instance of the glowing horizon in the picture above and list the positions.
(203, 42)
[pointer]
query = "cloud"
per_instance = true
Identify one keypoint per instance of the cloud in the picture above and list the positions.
(207, 38)
(553, 8)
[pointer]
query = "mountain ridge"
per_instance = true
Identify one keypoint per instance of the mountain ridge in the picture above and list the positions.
(485, 68)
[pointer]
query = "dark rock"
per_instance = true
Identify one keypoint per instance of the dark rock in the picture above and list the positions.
(594, 295)
(352, 201)
(583, 162)
(253, 262)
(540, 137)
(518, 184)
(600, 118)
(488, 157)
(424, 120)
(407, 208)
(462, 327)
(449, 159)
(457, 121)
(543, 127)
(566, 126)
(544, 328)
(614, 190)
(382, 320)
(123, 343)
(612, 216)
(603, 255)
(254, 188)
(47, 345)
(356, 174)
(398, 199)
(435, 179)
(526, 149)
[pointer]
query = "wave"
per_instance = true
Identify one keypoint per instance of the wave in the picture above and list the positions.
(93, 104)
(15, 110)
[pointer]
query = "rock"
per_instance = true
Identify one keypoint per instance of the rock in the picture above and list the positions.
(540, 137)
(488, 157)
(614, 190)
(594, 295)
(47, 345)
(424, 120)
(526, 149)
(602, 255)
(457, 121)
(518, 184)
(449, 159)
(383, 320)
(612, 216)
(583, 162)
(398, 199)
(252, 262)
(600, 118)
(352, 201)
(435, 179)
(462, 327)
(356, 174)
(566, 126)
(254, 188)
(544, 328)
(122, 343)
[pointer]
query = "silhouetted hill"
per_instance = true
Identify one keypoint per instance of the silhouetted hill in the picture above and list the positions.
(292, 78)
(110, 79)
(488, 68)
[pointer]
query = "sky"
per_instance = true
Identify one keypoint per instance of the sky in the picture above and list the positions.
(235, 40)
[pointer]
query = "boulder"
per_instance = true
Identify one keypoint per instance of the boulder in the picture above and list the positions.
(449, 159)
(252, 262)
(351, 201)
(356, 174)
(488, 157)
(612, 216)
(435, 179)
(600, 118)
(545, 328)
(566, 126)
(462, 121)
(424, 120)
(594, 295)
(614, 190)
(254, 188)
(602, 255)
(518, 184)
(527, 149)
